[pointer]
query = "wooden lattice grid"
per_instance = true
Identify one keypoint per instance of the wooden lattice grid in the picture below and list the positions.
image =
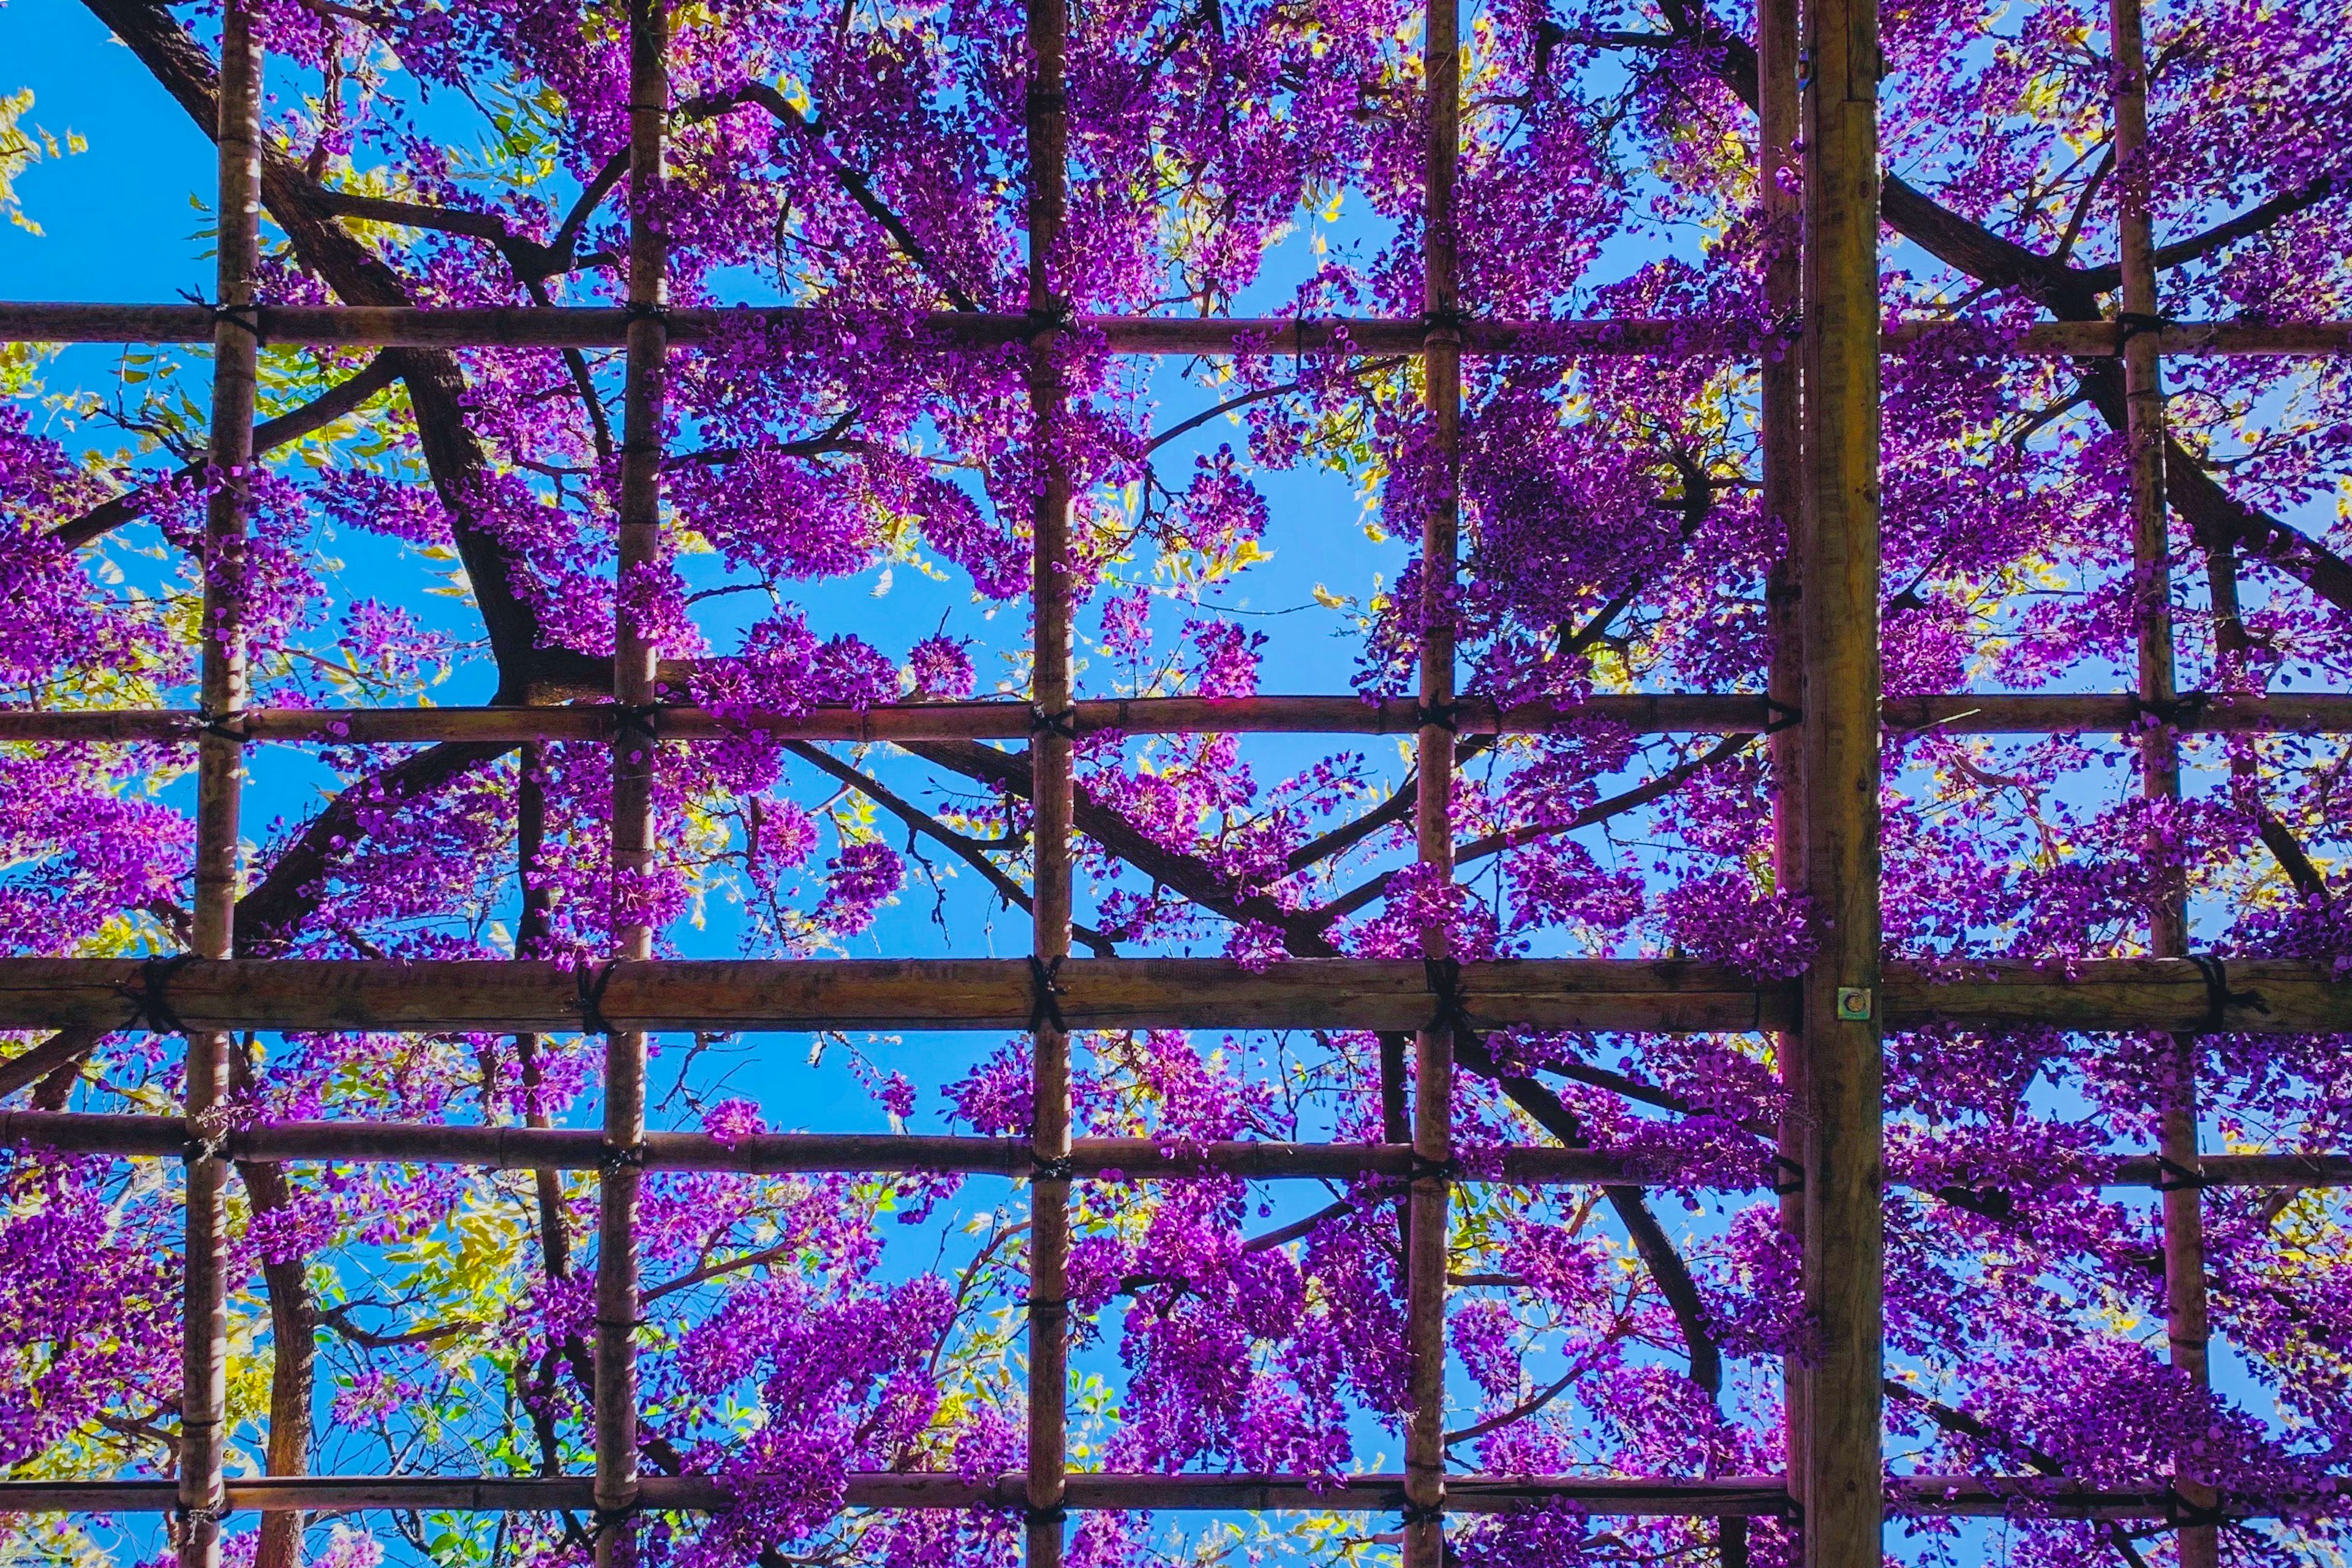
(1822, 712)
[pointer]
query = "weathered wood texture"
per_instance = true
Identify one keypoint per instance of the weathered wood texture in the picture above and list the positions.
(1053, 790)
(526, 326)
(1837, 581)
(531, 1147)
(1601, 1496)
(220, 763)
(635, 688)
(1428, 1233)
(1780, 450)
(1958, 714)
(2260, 995)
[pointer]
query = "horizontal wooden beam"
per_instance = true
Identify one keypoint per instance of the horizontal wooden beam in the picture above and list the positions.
(1642, 713)
(772, 1154)
(515, 326)
(1101, 1159)
(1601, 1496)
(1664, 995)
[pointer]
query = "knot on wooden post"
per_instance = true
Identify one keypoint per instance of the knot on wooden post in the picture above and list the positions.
(1452, 1011)
(2219, 998)
(245, 317)
(1063, 724)
(1045, 995)
(151, 1004)
(592, 980)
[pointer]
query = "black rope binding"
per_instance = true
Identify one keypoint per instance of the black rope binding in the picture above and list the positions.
(1052, 1168)
(1418, 1165)
(646, 310)
(2219, 998)
(1036, 1518)
(151, 1005)
(1784, 717)
(1435, 321)
(1794, 1170)
(1445, 716)
(1045, 994)
(1423, 1513)
(608, 1519)
(612, 1159)
(1051, 1308)
(2130, 324)
(1452, 1011)
(591, 980)
(1063, 724)
(2174, 1177)
(2183, 1514)
(246, 318)
(638, 718)
(2173, 712)
(226, 726)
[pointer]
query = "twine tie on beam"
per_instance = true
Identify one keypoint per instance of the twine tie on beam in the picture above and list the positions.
(1419, 1166)
(151, 1005)
(592, 979)
(608, 1519)
(245, 317)
(1045, 995)
(2219, 998)
(1452, 1011)
(1063, 724)
(229, 726)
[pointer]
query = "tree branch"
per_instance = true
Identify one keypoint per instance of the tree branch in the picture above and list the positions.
(344, 398)
(1641, 795)
(437, 385)
(959, 845)
(855, 184)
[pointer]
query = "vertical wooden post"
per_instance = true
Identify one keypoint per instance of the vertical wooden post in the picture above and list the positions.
(2186, 1324)
(220, 776)
(1433, 1106)
(634, 756)
(1838, 572)
(1051, 792)
(1781, 417)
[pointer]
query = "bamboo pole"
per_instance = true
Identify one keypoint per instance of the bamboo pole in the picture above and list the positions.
(1660, 713)
(1781, 415)
(1429, 1228)
(527, 327)
(635, 752)
(1051, 788)
(204, 1398)
(1837, 575)
(1662, 995)
(2186, 1325)
(1600, 1496)
(1117, 1161)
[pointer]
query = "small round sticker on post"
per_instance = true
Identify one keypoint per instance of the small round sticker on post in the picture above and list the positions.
(1853, 1004)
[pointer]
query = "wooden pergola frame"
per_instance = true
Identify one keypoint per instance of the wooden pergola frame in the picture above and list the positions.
(1823, 714)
